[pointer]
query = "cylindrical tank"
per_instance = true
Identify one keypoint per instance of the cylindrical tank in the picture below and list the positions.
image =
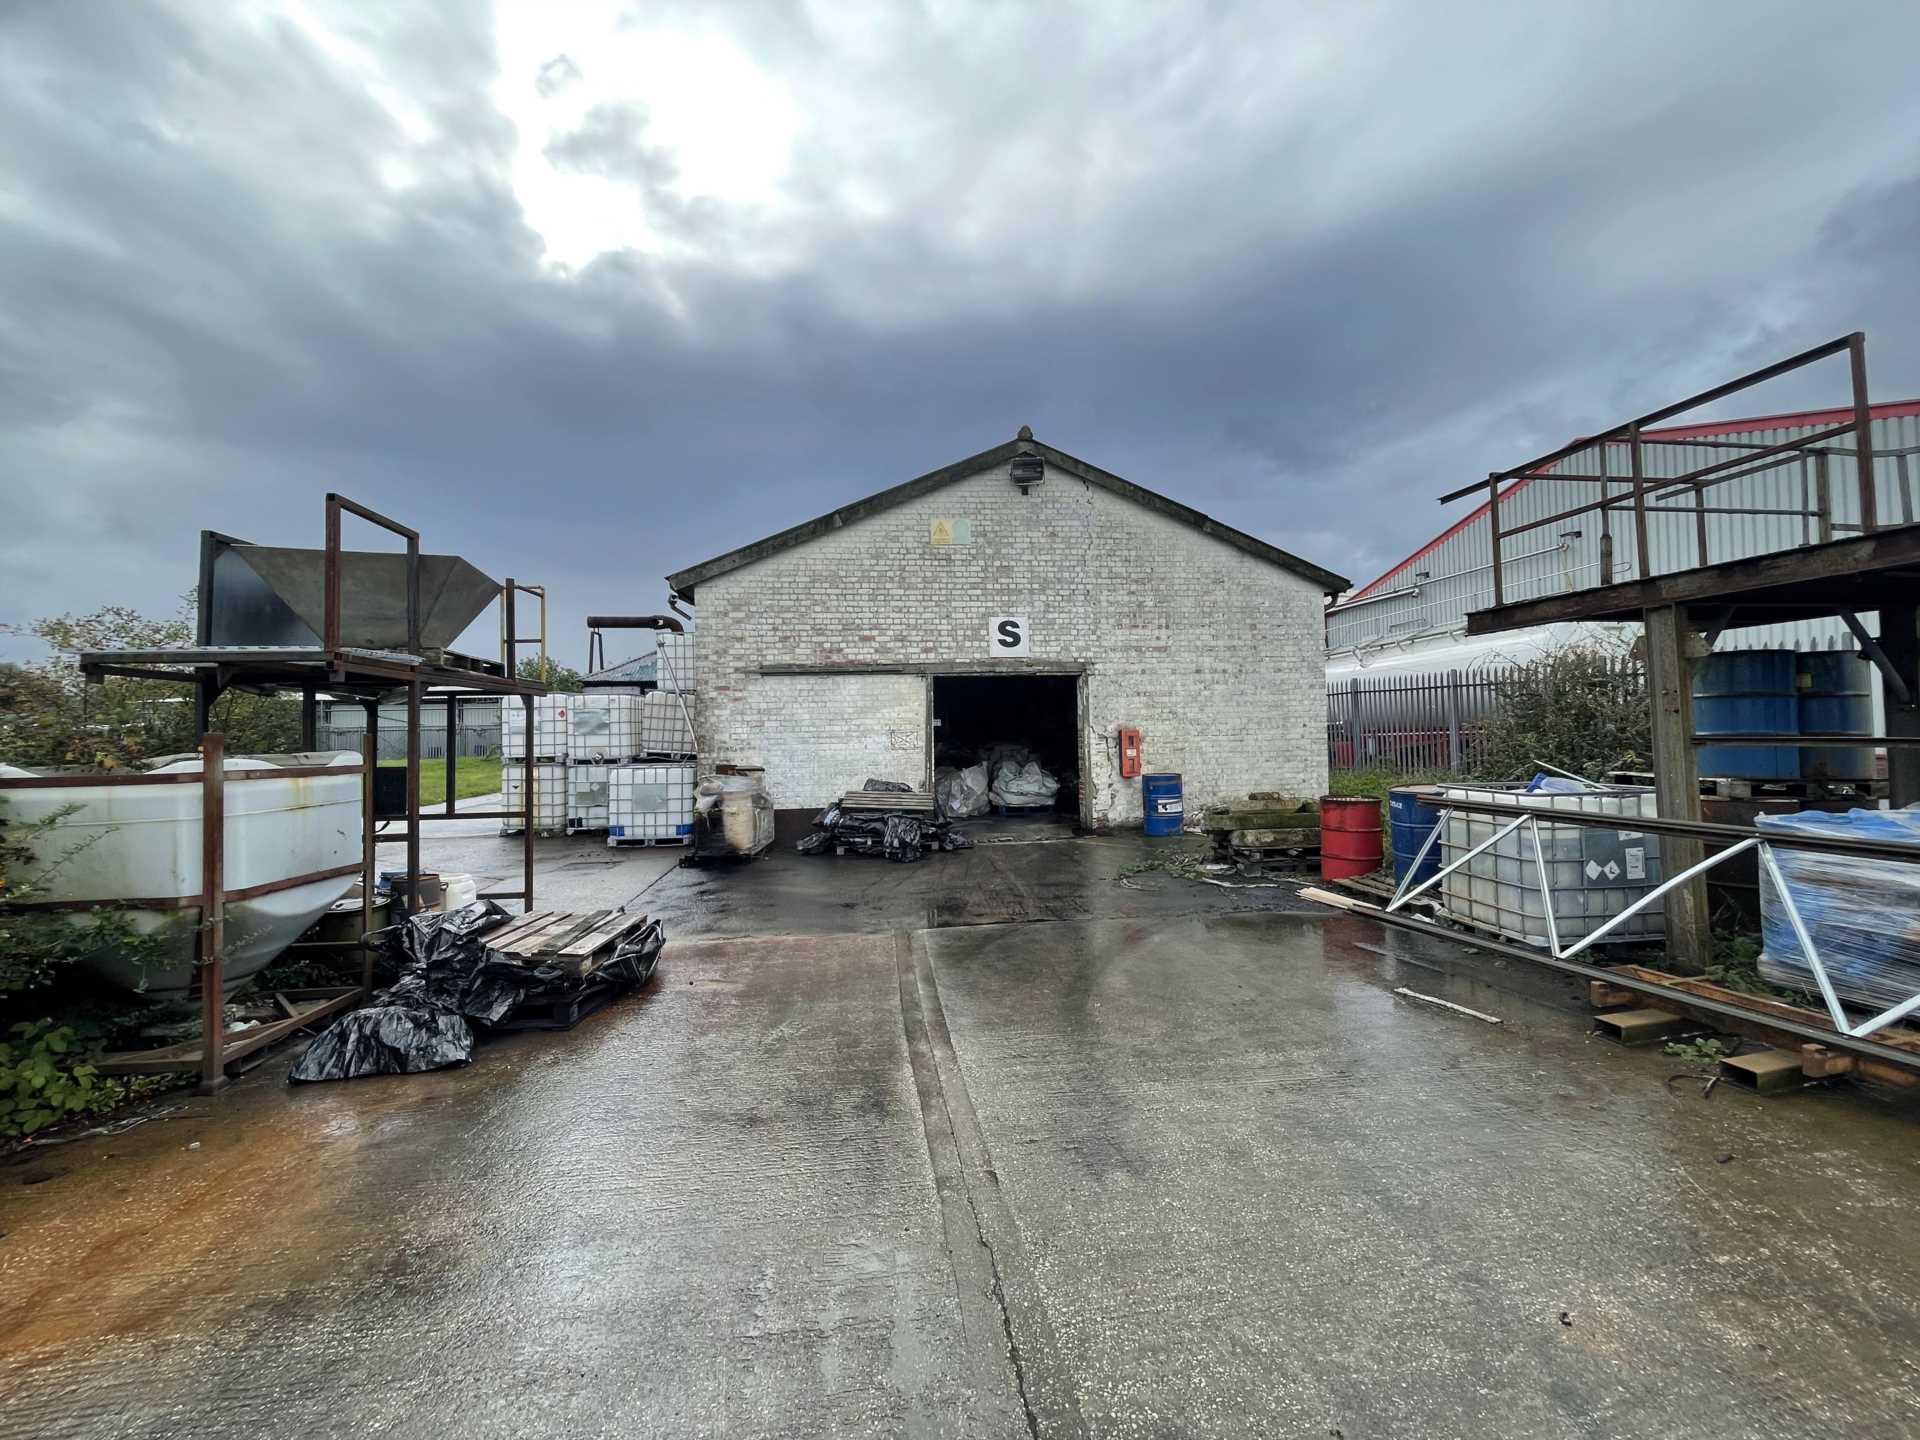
(1836, 698)
(1350, 834)
(1162, 804)
(1413, 818)
(1748, 692)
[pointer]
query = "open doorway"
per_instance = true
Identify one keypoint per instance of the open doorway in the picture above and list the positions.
(1022, 719)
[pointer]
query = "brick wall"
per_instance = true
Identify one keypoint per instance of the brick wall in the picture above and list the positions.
(1216, 656)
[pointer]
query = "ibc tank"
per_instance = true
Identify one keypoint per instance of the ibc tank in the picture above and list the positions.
(1836, 698)
(1594, 873)
(1748, 692)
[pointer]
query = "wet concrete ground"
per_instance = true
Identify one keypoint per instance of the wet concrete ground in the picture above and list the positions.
(1169, 1166)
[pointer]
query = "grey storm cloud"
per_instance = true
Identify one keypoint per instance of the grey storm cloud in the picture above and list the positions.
(1302, 267)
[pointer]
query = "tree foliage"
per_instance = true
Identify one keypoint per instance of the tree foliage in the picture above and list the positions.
(50, 715)
(551, 673)
(1582, 709)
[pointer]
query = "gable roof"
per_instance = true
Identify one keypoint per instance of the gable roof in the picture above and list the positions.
(685, 582)
(1798, 419)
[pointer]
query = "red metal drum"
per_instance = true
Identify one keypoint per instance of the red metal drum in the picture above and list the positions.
(1350, 836)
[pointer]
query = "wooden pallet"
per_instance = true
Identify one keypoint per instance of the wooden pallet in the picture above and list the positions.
(636, 841)
(559, 1009)
(903, 801)
(574, 942)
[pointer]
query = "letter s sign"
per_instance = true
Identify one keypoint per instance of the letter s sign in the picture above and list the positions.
(1007, 636)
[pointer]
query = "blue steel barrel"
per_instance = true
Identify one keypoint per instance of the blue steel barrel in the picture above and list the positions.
(1836, 698)
(1414, 817)
(1162, 800)
(1748, 692)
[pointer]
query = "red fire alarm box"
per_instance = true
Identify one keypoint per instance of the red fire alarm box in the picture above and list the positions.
(1129, 752)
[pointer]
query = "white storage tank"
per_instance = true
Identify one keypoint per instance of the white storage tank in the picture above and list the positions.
(604, 727)
(1594, 873)
(587, 798)
(663, 725)
(552, 727)
(131, 842)
(552, 795)
(675, 667)
(650, 802)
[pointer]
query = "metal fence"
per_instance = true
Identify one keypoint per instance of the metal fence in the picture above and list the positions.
(1424, 722)
(473, 740)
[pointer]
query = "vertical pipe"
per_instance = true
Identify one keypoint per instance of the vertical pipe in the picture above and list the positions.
(413, 796)
(1493, 536)
(526, 797)
(1641, 551)
(509, 640)
(369, 851)
(1453, 721)
(1863, 433)
(213, 913)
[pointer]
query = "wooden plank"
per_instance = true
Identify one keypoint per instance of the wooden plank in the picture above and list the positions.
(519, 924)
(609, 932)
(1677, 781)
(1898, 1037)
(534, 939)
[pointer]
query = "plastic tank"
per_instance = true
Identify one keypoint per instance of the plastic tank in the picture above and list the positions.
(143, 842)
(552, 796)
(1413, 819)
(1748, 692)
(552, 727)
(663, 724)
(650, 802)
(1593, 873)
(603, 727)
(1836, 698)
(588, 788)
(674, 665)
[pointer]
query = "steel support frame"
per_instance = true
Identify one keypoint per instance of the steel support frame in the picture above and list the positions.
(1755, 843)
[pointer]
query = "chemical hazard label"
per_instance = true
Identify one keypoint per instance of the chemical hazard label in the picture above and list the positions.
(1168, 805)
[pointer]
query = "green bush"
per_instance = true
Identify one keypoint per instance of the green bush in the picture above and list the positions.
(1582, 710)
(44, 1079)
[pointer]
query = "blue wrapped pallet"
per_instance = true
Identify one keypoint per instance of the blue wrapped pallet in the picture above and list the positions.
(1862, 915)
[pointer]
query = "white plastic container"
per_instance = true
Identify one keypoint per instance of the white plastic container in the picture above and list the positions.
(552, 725)
(650, 802)
(605, 728)
(663, 727)
(551, 796)
(587, 798)
(143, 842)
(1594, 873)
(457, 891)
(675, 664)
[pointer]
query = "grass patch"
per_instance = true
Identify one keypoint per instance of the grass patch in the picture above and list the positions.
(1377, 780)
(475, 775)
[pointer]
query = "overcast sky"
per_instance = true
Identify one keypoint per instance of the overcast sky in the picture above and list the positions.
(589, 292)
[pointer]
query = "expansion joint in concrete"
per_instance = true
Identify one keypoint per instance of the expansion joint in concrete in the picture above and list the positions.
(982, 1239)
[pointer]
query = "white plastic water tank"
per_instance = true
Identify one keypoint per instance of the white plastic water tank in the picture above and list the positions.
(143, 842)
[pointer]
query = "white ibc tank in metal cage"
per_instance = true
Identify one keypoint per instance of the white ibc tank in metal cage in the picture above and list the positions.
(675, 667)
(650, 802)
(552, 727)
(604, 727)
(587, 795)
(552, 793)
(663, 724)
(1593, 873)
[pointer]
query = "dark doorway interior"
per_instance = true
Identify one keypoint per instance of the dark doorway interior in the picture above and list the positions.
(974, 714)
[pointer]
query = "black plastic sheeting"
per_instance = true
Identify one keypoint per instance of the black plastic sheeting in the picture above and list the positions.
(901, 838)
(449, 984)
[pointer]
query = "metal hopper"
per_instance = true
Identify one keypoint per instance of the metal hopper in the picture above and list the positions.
(275, 595)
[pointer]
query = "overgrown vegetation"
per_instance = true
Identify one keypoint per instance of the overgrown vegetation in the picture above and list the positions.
(49, 715)
(1582, 709)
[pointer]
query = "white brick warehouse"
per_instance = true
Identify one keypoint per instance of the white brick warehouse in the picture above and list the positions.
(817, 646)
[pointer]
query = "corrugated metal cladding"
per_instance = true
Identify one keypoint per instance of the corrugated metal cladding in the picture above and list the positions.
(1431, 594)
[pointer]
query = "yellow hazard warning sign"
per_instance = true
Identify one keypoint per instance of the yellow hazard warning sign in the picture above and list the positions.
(948, 531)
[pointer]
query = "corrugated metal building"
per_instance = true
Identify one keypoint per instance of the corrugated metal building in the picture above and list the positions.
(1412, 618)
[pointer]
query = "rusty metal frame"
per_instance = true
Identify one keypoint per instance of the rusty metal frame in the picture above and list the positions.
(336, 505)
(1641, 485)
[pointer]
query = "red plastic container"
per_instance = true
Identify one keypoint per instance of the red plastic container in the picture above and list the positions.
(1350, 836)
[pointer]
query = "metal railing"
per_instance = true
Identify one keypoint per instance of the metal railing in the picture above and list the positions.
(1643, 488)
(1761, 846)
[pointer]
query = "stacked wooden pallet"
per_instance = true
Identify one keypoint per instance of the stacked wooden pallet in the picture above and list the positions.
(577, 943)
(902, 802)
